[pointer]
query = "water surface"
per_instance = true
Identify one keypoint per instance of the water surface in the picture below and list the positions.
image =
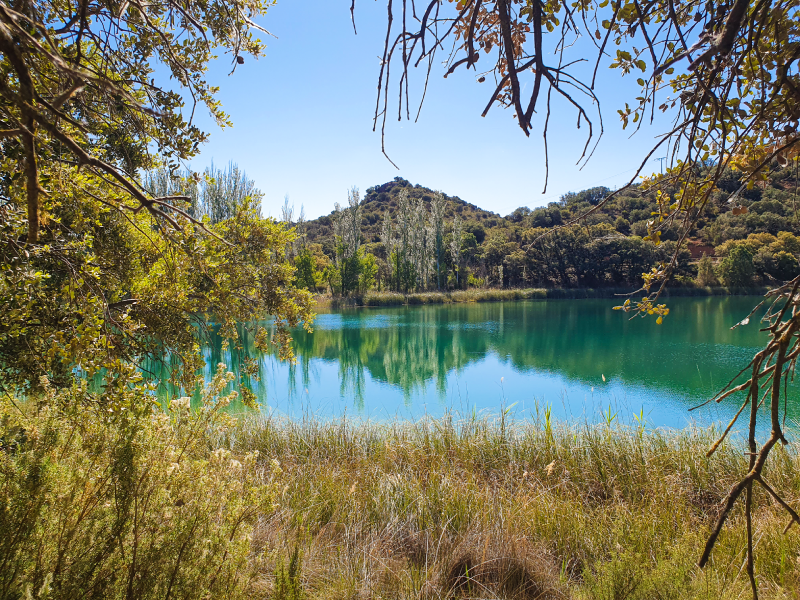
(578, 357)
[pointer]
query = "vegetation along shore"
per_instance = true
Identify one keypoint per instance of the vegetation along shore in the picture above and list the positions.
(375, 299)
(253, 507)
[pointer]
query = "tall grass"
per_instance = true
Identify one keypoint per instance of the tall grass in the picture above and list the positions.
(488, 508)
(121, 501)
(376, 299)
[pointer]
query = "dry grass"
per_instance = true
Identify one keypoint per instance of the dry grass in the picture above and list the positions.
(441, 509)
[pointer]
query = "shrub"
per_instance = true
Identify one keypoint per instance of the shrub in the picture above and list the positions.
(473, 281)
(785, 266)
(103, 496)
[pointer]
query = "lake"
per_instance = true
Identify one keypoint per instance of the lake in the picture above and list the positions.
(578, 358)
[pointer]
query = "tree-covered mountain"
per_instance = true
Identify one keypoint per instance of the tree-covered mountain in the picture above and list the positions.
(382, 198)
(746, 233)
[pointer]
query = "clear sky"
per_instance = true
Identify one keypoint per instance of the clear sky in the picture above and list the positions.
(303, 122)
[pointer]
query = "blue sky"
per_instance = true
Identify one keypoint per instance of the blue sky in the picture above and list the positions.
(303, 114)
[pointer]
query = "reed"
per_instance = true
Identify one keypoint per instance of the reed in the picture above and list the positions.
(196, 503)
(377, 299)
(498, 508)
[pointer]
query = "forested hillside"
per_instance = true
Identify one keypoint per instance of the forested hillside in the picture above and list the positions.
(747, 234)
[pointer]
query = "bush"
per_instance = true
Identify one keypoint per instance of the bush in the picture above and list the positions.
(736, 269)
(101, 496)
(473, 281)
(785, 266)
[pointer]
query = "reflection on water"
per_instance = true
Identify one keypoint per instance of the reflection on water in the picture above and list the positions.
(577, 356)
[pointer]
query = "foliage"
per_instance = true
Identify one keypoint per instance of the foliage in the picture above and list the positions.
(287, 579)
(736, 269)
(66, 93)
(731, 99)
(123, 289)
(534, 247)
(110, 263)
(368, 272)
(705, 272)
(103, 494)
(215, 196)
(305, 271)
(99, 283)
(347, 231)
(455, 246)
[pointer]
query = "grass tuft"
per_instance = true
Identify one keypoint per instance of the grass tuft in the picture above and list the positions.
(445, 508)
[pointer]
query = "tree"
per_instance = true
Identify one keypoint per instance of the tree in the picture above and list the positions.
(84, 120)
(438, 204)
(215, 195)
(786, 266)
(455, 245)
(105, 266)
(736, 269)
(68, 93)
(730, 70)
(705, 272)
(347, 229)
(305, 273)
(367, 272)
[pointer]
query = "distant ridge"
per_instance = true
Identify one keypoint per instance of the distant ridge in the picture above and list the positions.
(382, 198)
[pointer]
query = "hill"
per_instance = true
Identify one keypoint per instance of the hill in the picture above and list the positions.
(606, 248)
(382, 198)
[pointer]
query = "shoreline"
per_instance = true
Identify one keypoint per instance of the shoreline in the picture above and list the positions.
(380, 299)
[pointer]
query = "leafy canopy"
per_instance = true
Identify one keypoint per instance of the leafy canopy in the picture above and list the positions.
(98, 269)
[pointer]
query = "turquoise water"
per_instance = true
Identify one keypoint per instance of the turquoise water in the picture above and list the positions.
(579, 358)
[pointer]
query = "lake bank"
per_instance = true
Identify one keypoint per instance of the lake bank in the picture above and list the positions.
(490, 508)
(378, 299)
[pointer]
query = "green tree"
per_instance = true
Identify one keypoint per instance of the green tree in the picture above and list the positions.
(455, 246)
(101, 272)
(305, 271)
(705, 272)
(438, 205)
(786, 266)
(347, 229)
(368, 273)
(736, 269)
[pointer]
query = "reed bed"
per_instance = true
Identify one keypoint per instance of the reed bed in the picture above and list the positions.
(489, 508)
(377, 299)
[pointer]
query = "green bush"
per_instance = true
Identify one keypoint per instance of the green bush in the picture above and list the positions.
(103, 495)
(287, 579)
(705, 272)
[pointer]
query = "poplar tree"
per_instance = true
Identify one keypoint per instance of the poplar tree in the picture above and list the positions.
(438, 205)
(347, 229)
(455, 245)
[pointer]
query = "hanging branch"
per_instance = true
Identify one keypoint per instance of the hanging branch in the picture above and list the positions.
(39, 54)
(475, 26)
